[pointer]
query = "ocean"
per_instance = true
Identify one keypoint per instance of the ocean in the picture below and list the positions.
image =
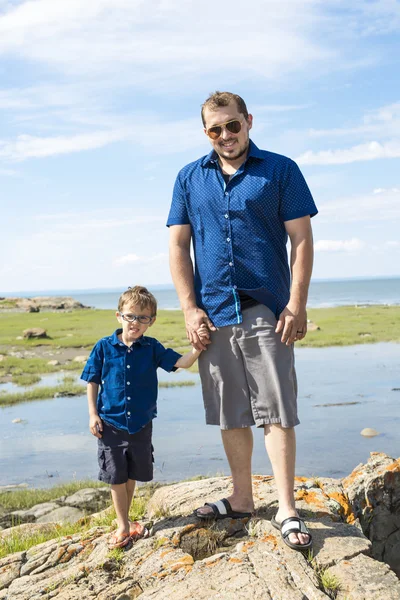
(322, 294)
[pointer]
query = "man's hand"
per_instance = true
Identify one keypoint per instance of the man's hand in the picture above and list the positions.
(293, 323)
(196, 318)
(95, 425)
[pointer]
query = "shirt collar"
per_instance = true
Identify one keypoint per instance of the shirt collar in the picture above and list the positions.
(142, 341)
(254, 152)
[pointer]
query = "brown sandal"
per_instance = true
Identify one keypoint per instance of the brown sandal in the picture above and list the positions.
(137, 531)
(119, 541)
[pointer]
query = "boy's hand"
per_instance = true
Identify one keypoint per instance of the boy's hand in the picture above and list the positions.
(95, 425)
(204, 334)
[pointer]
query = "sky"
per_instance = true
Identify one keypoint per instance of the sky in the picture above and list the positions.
(100, 108)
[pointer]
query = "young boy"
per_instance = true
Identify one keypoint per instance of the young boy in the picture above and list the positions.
(124, 367)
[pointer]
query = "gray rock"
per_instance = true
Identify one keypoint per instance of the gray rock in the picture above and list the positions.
(35, 332)
(80, 359)
(369, 432)
(63, 514)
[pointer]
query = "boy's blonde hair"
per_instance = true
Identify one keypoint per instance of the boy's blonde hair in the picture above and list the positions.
(138, 295)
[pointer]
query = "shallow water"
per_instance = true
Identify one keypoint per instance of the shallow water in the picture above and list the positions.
(53, 443)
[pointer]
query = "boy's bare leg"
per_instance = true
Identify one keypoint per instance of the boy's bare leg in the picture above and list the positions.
(280, 443)
(238, 444)
(119, 494)
(130, 490)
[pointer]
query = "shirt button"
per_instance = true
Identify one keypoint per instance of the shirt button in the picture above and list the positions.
(102, 382)
(226, 193)
(231, 264)
(129, 414)
(128, 350)
(226, 216)
(235, 287)
(128, 366)
(128, 398)
(121, 344)
(228, 239)
(128, 383)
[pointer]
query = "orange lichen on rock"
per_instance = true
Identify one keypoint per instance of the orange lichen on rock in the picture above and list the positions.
(347, 481)
(247, 545)
(235, 560)
(178, 536)
(395, 466)
(166, 552)
(310, 498)
(271, 539)
(346, 510)
(301, 479)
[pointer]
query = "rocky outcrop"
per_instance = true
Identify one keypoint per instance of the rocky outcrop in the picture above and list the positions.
(374, 494)
(67, 509)
(39, 303)
(186, 558)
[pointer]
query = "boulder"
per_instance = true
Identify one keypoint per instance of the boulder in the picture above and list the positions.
(373, 491)
(53, 363)
(35, 332)
(80, 359)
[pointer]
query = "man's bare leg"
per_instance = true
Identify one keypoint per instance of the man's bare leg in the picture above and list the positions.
(280, 443)
(238, 444)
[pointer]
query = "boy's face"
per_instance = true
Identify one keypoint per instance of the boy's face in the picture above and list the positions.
(132, 328)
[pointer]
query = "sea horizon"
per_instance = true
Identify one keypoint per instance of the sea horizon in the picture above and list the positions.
(170, 286)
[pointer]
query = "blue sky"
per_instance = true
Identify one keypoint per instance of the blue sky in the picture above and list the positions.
(99, 109)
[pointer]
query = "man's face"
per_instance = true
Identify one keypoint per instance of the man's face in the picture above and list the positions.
(229, 146)
(133, 330)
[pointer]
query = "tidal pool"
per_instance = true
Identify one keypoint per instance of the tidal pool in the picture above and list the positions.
(355, 384)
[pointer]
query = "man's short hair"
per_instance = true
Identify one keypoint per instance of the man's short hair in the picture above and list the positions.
(140, 296)
(219, 99)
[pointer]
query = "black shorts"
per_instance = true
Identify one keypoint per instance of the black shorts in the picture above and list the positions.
(123, 455)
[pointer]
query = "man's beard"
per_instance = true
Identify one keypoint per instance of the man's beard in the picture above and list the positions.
(241, 153)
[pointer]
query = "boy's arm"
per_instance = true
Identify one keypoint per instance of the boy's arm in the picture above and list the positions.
(188, 359)
(95, 423)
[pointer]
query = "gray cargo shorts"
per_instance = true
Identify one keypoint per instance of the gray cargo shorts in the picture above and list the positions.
(248, 375)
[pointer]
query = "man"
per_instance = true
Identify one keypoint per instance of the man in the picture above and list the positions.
(238, 205)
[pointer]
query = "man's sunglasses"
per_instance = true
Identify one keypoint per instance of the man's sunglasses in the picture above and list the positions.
(143, 319)
(233, 126)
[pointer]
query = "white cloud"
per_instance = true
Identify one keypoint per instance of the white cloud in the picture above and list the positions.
(27, 146)
(352, 245)
(392, 244)
(379, 205)
(164, 40)
(362, 152)
(129, 259)
(383, 122)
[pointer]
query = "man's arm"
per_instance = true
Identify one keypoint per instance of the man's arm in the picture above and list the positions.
(293, 319)
(182, 275)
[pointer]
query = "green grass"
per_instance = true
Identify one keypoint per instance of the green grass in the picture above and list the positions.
(11, 365)
(346, 325)
(66, 388)
(20, 541)
(27, 379)
(342, 325)
(26, 498)
(168, 384)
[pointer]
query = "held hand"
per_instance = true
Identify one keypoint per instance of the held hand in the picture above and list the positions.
(293, 324)
(95, 425)
(195, 319)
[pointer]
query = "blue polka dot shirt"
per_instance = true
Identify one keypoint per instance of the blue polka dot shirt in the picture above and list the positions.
(238, 229)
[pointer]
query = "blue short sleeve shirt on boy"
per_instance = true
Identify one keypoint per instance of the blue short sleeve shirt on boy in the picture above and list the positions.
(238, 229)
(128, 379)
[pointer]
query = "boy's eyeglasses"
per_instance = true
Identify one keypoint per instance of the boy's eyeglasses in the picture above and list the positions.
(143, 319)
(233, 126)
